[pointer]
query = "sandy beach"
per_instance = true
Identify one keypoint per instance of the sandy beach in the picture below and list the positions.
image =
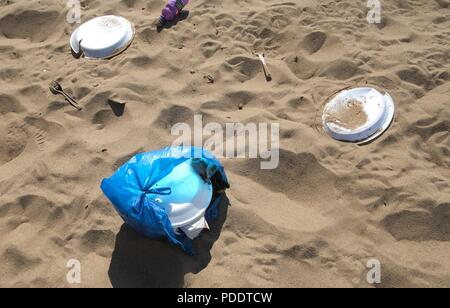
(315, 221)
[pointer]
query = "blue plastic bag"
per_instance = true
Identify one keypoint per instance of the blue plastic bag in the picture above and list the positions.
(128, 187)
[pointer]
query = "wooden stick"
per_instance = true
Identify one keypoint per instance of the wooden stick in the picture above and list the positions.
(265, 66)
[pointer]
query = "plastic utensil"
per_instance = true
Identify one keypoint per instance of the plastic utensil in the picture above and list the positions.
(57, 89)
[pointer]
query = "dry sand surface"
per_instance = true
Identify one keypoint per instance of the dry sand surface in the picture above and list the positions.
(313, 222)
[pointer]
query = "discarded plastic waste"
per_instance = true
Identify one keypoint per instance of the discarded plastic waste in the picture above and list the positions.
(358, 115)
(57, 89)
(102, 37)
(172, 193)
(171, 10)
(189, 198)
(265, 66)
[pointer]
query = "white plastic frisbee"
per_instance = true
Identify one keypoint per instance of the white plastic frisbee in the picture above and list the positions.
(190, 195)
(358, 115)
(102, 37)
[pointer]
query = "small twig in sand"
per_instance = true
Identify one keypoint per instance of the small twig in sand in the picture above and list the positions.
(265, 66)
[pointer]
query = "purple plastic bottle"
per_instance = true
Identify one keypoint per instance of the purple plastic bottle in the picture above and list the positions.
(172, 9)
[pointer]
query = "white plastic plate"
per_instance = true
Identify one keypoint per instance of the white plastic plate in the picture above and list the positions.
(358, 115)
(190, 197)
(102, 37)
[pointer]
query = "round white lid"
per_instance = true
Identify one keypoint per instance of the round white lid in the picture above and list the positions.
(102, 37)
(190, 195)
(358, 115)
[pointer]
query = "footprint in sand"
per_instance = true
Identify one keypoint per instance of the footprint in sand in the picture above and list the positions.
(24, 141)
(40, 138)
(39, 26)
(13, 139)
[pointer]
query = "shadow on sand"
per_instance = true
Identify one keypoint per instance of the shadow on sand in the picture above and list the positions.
(138, 262)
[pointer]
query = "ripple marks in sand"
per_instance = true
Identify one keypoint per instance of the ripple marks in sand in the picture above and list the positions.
(420, 225)
(245, 68)
(32, 209)
(15, 260)
(304, 178)
(33, 25)
(9, 104)
(13, 141)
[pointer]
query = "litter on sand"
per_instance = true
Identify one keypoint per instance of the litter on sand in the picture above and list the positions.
(265, 67)
(171, 11)
(173, 193)
(358, 115)
(57, 89)
(188, 200)
(102, 37)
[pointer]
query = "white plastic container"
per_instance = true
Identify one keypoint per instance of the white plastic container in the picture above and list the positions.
(102, 37)
(188, 201)
(358, 115)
